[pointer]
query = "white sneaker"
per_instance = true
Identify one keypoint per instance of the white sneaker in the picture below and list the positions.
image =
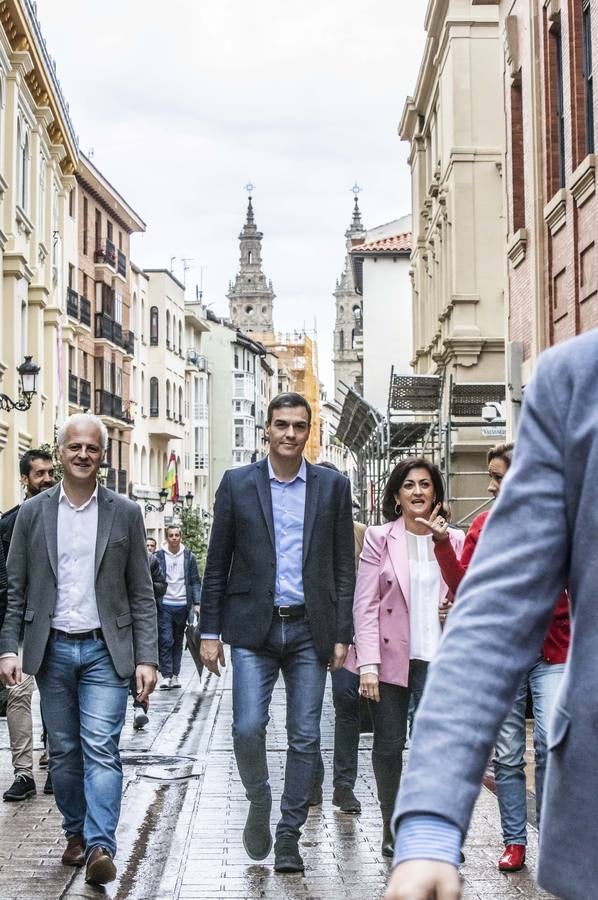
(174, 682)
(140, 718)
(166, 684)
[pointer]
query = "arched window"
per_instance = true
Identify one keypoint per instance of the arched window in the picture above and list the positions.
(250, 257)
(152, 467)
(154, 398)
(154, 326)
(167, 397)
(341, 340)
(167, 328)
(180, 404)
(143, 466)
(181, 338)
(142, 394)
(142, 321)
(136, 471)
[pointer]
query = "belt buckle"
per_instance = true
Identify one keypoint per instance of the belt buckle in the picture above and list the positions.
(285, 615)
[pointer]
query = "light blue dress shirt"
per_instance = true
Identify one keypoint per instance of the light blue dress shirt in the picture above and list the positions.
(288, 512)
(427, 836)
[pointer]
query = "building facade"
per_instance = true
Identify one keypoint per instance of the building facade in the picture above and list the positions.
(454, 124)
(101, 343)
(38, 235)
(381, 264)
(549, 59)
(347, 353)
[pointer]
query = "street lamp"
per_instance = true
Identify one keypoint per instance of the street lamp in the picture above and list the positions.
(28, 373)
(151, 507)
(103, 472)
(178, 508)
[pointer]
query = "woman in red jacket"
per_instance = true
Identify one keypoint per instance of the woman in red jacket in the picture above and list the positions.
(543, 680)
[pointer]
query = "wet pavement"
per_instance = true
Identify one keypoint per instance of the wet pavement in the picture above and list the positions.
(184, 810)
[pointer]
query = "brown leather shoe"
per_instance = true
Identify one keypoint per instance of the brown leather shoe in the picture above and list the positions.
(74, 855)
(100, 867)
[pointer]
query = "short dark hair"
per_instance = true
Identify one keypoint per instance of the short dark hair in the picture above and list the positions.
(170, 527)
(501, 451)
(398, 476)
(286, 400)
(29, 457)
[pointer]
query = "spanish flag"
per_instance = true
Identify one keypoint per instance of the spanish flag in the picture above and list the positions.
(171, 479)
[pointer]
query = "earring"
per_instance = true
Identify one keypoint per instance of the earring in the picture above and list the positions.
(398, 509)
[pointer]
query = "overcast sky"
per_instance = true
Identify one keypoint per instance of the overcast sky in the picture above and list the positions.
(183, 103)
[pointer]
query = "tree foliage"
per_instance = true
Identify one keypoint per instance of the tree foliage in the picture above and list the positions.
(195, 535)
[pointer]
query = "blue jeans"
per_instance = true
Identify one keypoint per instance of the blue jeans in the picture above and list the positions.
(84, 702)
(171, 634)
(289, 649)
(544, 680)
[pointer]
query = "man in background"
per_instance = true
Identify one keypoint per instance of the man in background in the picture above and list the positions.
(178, 604)
(37, 474)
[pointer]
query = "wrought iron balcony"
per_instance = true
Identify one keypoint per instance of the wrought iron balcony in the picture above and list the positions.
(109, 330)
(108, 404)
(121, 266)
(122, 481)
(117, 333)
(72, 303)
(105, 253)
(84, 393)
(84, 311)
(73, 388)
(129, 342)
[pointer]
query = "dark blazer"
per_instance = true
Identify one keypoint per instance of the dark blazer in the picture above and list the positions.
(124, 593)
(192, 579)
(158, 579)
(549, 503)
(240, 575)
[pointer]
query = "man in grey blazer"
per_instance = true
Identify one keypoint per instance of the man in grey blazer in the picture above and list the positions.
(79, 579)
(541, 537)
(278, 587)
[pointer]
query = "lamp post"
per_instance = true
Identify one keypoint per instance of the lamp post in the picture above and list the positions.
(28, 372)
(177, 508)
(151, 507)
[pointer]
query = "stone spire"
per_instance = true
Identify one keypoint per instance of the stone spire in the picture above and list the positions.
(251, 297)
(348, 327)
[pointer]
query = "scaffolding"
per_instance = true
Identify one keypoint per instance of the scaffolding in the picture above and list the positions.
(414, 425)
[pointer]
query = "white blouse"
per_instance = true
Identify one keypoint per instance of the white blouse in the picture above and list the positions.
(424, 579)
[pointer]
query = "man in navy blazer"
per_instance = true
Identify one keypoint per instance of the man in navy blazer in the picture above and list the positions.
(278, 587)
(540, 538)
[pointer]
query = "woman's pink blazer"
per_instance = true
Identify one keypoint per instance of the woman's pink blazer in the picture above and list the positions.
(381, 602)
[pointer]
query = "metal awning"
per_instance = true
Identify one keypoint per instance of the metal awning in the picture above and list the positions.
(357, 423)
(414, 393)
(467, 399)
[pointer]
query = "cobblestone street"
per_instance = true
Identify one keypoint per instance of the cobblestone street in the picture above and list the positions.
(183, 816)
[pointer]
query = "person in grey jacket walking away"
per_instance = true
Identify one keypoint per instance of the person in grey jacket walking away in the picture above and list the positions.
(177, 606)
(79, 579)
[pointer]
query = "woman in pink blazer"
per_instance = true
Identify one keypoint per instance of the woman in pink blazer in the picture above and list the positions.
(400, 603)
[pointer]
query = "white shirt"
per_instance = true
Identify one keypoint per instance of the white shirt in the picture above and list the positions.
(424, 582)
(76, 532)
(176, 592)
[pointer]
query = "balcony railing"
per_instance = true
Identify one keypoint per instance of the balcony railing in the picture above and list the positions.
(129, 342)
(107, 404)
(195, 359)
(109, 330)
(84, 311)
(72, 303)
(84, 393)
(121, 265)
(154, 412)
(122, 481)
(105, 253)
(73, 388)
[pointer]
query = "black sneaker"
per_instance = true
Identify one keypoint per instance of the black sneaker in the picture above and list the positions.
(22, 788)
(48, 789)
